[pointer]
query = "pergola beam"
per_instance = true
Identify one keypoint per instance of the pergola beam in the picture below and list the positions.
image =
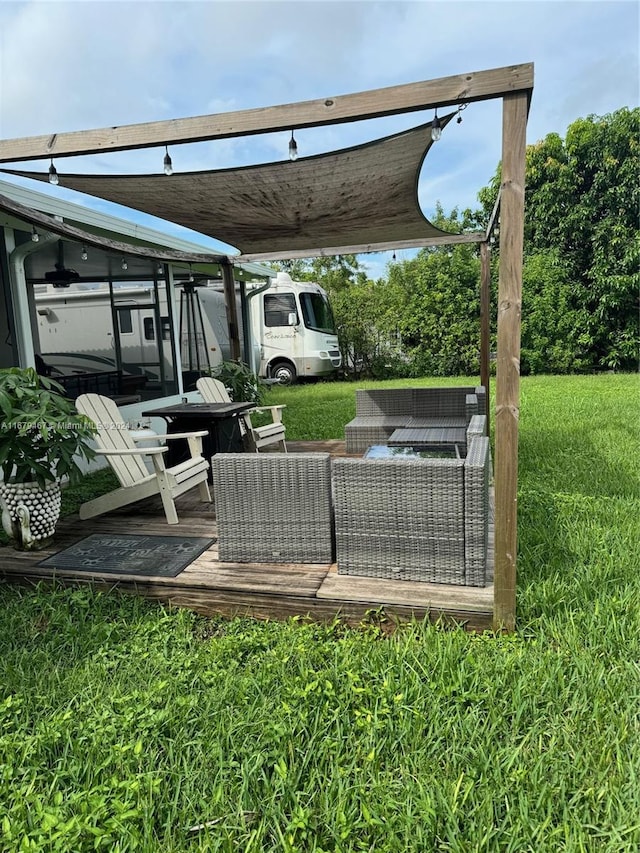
(360, 249)
(485, 322)
(392, 100)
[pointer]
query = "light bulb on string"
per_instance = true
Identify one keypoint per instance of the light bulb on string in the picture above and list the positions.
(167, 164)
(124, 264)
(34, 235)
(53, 175)
(436, 128)
(84, 254)
(293, 148)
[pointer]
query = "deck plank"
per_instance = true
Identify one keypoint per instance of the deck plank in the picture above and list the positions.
(425, 595)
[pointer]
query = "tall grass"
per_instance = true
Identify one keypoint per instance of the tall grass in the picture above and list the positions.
(123, 724)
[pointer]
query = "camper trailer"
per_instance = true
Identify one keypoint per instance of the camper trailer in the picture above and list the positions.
(291, 332)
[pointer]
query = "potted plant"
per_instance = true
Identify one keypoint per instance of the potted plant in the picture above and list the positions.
(41, 436)
(242, 384)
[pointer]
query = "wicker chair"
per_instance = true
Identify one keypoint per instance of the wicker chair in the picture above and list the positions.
(380, 411)
(273, 507)
(414, 519)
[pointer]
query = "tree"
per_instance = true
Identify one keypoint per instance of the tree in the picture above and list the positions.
(357, 305)
(440, 324)
(552, 339)
(582, 206)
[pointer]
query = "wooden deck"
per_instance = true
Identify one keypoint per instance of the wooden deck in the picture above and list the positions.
(263, 591)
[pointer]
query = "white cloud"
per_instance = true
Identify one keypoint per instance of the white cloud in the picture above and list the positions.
(76, 65)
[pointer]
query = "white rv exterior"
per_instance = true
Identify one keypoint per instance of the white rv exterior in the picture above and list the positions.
(291, 329)
(76, 330)
(294, 330)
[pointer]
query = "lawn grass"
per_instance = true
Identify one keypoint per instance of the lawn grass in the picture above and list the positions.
(123, 724)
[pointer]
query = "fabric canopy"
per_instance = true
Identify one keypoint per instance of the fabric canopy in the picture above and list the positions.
(357, 196)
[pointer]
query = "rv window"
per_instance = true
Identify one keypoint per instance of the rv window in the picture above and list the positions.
(124, 321)
(316, 312)
(166, 328)
(277, 307)
(149, 331)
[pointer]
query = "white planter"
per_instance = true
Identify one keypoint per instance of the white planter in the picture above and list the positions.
(30, 513)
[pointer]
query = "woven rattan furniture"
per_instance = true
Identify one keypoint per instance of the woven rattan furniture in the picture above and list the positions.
(477, 474)
(381, 411)
(422, 438)
(273, 507)
(414, 519)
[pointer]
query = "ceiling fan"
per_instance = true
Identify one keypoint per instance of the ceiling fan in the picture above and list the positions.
(60, 276)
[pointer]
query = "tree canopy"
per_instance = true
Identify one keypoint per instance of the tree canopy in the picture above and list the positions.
(582, 243)
(581, 272)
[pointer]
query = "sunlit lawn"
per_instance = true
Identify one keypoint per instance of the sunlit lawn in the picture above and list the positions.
(123, 724)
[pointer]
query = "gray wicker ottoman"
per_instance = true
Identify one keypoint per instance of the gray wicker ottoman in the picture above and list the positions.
(273, 507)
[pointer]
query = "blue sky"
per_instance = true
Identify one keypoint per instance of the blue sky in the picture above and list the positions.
(77, 65)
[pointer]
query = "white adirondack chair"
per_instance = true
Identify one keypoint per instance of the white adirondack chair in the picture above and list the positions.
(115, 442)
(213, 391)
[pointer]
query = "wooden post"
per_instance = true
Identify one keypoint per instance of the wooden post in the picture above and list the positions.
(485, 322)
(232, 309)
(514, 124)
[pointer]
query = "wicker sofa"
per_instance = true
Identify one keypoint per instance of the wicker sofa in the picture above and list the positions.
(380, 411)
(414, 519)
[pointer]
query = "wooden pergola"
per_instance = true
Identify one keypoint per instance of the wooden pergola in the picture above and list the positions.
(514, 86)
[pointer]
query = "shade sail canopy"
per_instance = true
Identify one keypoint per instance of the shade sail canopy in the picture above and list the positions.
(365, 195)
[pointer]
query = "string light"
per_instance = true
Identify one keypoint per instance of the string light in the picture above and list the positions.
(393, 257)
(460, 108)
(293, 148)
(34, 235)
(168, 165)
(53, 174)
(436, 128)
(84, 255)
(124, 264)
(190, 273)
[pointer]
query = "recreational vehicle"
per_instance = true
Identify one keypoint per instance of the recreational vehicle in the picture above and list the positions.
(85, 328)
(292, 332)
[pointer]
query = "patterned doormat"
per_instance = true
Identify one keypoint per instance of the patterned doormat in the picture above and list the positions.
(124, 554)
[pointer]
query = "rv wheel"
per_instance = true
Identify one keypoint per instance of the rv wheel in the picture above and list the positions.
(284, 372)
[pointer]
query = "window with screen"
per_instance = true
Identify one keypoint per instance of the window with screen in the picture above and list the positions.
(277, 307)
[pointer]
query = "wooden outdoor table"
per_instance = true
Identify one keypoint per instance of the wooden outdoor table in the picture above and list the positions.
(220, 420)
